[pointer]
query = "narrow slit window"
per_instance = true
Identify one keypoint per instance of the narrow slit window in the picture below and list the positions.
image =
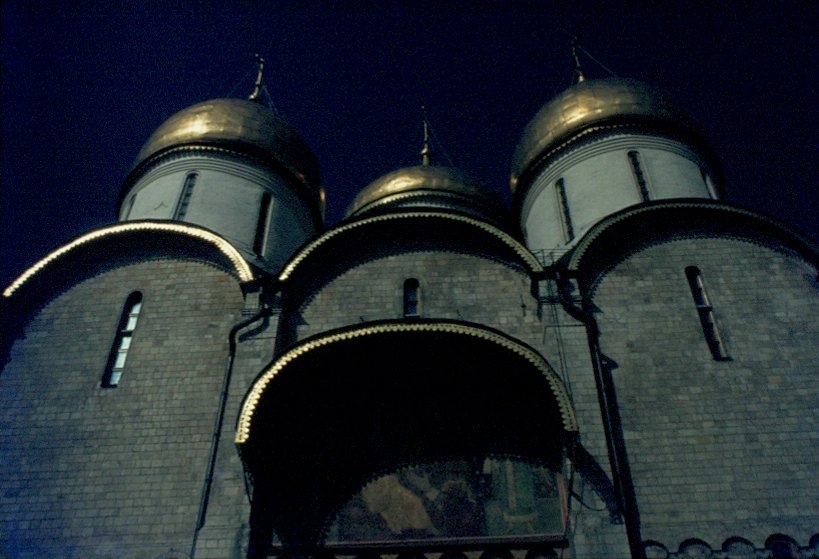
(130, 207)
(122, 341)
(639, 174)
(560, 187)
(709, 185)
(185, 197)
(411, 297)
(261, 225)
(705, 309)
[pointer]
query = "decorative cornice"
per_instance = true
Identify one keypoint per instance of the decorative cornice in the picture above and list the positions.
(523, 253)
(257, 390)
(240, 266)
(735, 547)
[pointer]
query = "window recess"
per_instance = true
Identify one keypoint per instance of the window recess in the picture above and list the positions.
(122, 342)
(262, 224)
(185, 197)
(705, 309)
(639, 174)
(412, 288)
(568, 229)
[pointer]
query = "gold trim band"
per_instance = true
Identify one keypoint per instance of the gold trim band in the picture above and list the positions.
(555, 384)
(241, 266)
(524, 254)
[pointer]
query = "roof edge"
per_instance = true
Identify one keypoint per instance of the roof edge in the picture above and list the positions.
(520, 250)
(255, 393)
(240, 266)
(575, 259)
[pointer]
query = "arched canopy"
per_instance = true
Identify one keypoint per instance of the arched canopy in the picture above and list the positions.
(105, 248)
(405, 229)
(632, 229)
(126, 240)
(338, 409)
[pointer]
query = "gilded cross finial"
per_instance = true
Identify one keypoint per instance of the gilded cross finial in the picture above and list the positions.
(426, 153)
(578, 72)
(257, 87)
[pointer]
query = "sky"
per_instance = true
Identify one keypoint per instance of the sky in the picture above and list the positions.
(85, 83)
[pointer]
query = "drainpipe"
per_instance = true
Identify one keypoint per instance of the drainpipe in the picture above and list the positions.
(264, 311)
(618, 459)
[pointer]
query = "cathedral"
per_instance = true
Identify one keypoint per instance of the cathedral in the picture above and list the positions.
(619, 365)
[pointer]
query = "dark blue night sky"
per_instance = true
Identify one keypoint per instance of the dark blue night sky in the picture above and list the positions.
(85, 83)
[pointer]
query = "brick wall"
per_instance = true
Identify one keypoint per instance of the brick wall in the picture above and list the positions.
(717, 448)
(468, 287)
(116, 472)
(452, 286)
(226, 530)
(595, 525)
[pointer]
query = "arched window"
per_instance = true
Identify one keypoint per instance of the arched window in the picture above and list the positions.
(122, 341)
(639, 174)
(411, 297)
(560, 187)
(261, 225)
(185, 197)
(706, 311)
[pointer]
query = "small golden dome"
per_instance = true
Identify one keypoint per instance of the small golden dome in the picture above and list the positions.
(426, 187)
(593, 103)
(241, 125)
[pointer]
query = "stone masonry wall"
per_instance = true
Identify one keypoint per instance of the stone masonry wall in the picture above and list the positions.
(717, 448)
(452, 286)
(114, 472)
(226, 529)
(595, 525)
(467, 287)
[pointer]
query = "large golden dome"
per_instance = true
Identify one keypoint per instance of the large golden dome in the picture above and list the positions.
(426, 187)
(240, 125)
(590, 104)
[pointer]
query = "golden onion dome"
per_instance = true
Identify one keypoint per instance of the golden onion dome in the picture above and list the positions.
(590, 104)
(242, 126)
(424, 188)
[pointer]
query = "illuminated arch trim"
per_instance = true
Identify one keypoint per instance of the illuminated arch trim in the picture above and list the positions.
(240, 265)
(527, 257)
(555, 384)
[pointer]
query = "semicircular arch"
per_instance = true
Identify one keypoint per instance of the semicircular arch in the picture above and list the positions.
(342, 407)
(226, 254)
(632, 229)
(451, 328)
(341, 233)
